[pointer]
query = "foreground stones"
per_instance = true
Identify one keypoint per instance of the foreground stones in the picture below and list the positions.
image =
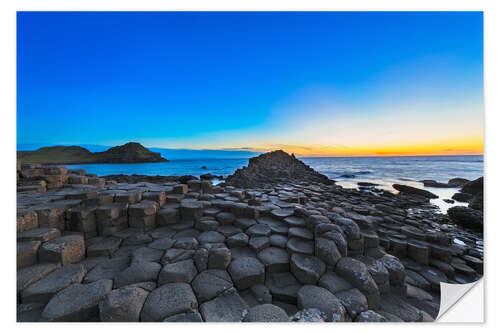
(293, 251)
(168, 300)
(123, 304)
(78, 302)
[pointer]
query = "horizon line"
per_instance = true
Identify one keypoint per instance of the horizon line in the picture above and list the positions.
(266, 151)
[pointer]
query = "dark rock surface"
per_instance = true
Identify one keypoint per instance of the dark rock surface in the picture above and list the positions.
(168, 300)
(78, 302)
(123, 304)
(433, 183)
(272, 168)
(176, 250)
(466, 217)
(266, 313)
(415, 191)
(473, 187)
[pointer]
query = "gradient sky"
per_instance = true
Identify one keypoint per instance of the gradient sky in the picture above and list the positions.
(314, 83)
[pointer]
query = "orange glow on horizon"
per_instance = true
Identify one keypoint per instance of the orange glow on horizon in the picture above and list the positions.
(461, 146)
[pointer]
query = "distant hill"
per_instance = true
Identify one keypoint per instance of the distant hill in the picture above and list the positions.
(170, 153)
(131, 152)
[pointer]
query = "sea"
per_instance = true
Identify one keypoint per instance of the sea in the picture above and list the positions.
(346, 171)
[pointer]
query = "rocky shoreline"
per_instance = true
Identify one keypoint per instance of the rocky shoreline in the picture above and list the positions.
(269, 244)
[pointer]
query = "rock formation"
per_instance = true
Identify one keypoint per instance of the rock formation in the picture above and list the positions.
(131, 152)
(471, 216)
(414, 191)
(275, 167)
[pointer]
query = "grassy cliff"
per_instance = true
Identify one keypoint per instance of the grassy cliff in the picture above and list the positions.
(131, 152)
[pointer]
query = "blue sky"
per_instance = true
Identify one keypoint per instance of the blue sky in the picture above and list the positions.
(314, 83)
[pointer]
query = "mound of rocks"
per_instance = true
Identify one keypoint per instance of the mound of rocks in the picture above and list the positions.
(275, 167)
(471, 216)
